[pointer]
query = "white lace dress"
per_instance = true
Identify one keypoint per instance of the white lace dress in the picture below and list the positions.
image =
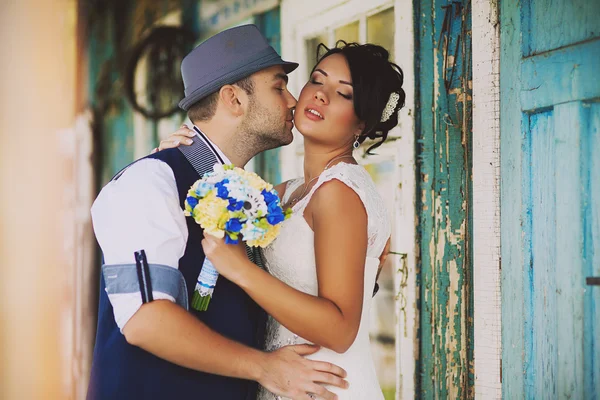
(291, 258)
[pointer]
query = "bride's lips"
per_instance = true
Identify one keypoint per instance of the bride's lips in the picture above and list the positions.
(313, 113)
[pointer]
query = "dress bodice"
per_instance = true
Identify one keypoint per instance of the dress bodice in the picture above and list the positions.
(291, 259)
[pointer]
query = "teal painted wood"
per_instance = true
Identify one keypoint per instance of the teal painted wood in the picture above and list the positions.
(513, 219)
(568, 135)
(549, 199)
(591, 246)
(444, 174)
(267, 164)
(542, 275)
(561, 76)
(554, 24)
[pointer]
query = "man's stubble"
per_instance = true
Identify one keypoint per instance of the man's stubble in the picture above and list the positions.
(262, 130)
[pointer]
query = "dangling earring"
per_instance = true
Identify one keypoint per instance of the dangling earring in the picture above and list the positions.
(356, 145)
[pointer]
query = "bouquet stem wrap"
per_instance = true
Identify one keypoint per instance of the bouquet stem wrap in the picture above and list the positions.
(205, 285)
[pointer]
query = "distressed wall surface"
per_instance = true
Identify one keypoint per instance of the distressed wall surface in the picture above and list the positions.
(444, 132)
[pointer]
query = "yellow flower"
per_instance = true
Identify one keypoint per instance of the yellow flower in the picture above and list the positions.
(254, 180)
(269, 236)
(212, 214)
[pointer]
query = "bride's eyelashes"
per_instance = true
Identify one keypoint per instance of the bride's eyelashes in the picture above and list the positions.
(346, 96)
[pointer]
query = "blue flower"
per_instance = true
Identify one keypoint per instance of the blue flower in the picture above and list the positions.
(274, 208)
(275, 218)
(229, 240)
(269, 197)
(235, 205)
(192, 201)
(222, 191)
(233, 225)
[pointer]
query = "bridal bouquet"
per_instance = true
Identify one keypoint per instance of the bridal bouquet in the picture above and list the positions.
(236, 204)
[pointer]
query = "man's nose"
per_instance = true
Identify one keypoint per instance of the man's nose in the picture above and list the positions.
(292, 101)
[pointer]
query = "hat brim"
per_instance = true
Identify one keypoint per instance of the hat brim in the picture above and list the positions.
(233, 77)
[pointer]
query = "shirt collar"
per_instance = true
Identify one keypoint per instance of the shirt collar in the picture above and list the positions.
(226, 160)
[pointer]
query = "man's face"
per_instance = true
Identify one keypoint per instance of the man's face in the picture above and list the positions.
(269, 118)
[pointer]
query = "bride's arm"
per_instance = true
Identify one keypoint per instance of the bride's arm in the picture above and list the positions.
(332, 318)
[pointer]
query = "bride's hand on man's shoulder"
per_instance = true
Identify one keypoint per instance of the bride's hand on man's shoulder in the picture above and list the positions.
(182, 136)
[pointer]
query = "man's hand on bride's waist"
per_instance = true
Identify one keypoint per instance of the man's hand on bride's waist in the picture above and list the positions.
(287, 373)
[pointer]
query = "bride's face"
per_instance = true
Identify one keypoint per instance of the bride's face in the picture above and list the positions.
(325, 110)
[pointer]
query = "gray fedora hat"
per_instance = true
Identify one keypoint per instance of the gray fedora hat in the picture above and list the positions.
(224, 59)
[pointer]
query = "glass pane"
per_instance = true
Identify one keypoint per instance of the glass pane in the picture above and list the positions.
(311, 50)
(381, 29)
(348, 33)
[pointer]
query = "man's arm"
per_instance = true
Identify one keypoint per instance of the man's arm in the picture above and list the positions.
(169, 332)
(141, 211)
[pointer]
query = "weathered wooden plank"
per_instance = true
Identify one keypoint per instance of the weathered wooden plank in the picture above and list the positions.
(549, 23)
(528, 352)
(561, 76)
(445, 188)
(426, 175)
(486, 200)
(511, 219)
(591, 250)
(543, 252)
(570, 126)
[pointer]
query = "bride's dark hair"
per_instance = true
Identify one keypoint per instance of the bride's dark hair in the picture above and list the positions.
(374, 78)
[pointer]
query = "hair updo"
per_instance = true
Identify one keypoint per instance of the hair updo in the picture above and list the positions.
(374, 78)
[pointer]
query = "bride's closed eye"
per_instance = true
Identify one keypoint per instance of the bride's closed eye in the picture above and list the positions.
(315, 82)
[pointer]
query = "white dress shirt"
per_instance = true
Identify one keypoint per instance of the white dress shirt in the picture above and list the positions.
(139, 211)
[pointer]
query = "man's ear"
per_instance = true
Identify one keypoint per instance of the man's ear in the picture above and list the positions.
(230, 97)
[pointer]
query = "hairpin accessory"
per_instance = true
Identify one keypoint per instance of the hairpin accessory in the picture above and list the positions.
(390, 106)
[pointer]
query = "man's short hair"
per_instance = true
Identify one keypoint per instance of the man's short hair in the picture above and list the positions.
(206, 108)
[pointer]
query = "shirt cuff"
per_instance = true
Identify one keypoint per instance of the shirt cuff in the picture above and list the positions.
(125, 292)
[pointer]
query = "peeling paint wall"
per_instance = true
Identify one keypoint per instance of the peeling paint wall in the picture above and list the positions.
(444, 134)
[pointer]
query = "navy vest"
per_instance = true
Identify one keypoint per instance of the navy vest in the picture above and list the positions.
(123, 371)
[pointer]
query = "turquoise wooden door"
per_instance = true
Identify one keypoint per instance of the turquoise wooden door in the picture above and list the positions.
(550, 143)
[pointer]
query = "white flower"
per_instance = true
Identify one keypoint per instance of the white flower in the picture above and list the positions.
(238, 191)
(251, 232)
(255, 202)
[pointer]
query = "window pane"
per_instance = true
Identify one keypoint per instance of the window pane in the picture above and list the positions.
(380, 30)
(348, 33)
(311, 50)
